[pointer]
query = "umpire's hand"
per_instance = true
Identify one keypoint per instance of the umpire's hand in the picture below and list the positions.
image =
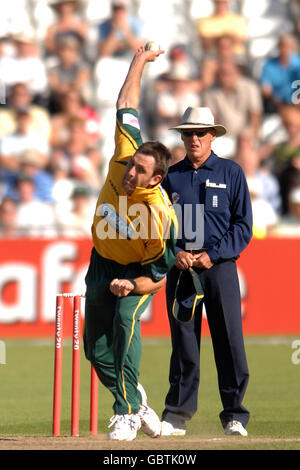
(184, 260)
(202, 261)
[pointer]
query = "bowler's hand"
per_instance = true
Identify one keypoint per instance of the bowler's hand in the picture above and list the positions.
(184, 260)
(202, 260)
(121, 287)
(149, 56)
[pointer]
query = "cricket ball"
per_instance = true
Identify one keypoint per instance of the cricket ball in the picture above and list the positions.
(152, 46)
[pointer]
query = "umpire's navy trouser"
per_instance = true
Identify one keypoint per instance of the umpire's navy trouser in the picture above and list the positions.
(223, 309)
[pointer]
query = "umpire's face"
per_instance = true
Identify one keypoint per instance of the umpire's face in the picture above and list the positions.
(139, 172)
(197, 143)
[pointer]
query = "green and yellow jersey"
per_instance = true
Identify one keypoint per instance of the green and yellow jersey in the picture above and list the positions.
(137, 228)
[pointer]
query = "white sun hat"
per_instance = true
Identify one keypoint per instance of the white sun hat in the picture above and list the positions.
(199, 118)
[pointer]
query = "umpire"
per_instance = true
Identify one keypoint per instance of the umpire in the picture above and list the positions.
(212, 199)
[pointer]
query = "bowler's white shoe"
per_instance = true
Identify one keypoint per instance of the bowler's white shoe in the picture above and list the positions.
(125, 427)
(173, 425)
(235, 428)
(150, 422)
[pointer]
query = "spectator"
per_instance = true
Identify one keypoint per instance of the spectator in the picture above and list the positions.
(178, 55)
(83, 162)
(5, 177)
(67, 24)
(8, 215)
(120, 35)
(78, 220)
(289, 225)
(62, 188)
(264, 216)
(294, 6)
(289, 178)
(235, 100)
(72, 105)
(279, 73)
(30, 68)
(247, 157)
(21, 98)
(171, 104)
(223, 22)
(225, 52)
(278, 155)
(178, 59)
(71, 72)
(32, 164)
(7, 64)
(178, 153)
(35, 218)
(13, 145)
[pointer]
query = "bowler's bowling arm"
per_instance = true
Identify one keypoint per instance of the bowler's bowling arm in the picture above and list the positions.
(129, 96)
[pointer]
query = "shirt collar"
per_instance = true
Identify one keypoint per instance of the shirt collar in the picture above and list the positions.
(209, 163)
(293, 60)
(145, 194)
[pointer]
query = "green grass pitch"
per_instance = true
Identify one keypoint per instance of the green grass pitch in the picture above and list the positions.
(272, 396)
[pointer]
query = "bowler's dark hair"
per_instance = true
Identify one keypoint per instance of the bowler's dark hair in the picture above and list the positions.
(161, 155)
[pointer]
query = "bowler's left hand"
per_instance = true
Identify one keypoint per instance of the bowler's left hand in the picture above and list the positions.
(121, 287)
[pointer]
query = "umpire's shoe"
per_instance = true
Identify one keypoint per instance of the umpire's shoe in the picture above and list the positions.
(235, 428)
(173, 425)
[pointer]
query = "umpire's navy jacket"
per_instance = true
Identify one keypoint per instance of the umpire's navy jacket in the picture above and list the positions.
(217, 193)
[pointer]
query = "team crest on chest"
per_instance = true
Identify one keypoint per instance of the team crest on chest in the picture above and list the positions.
(175, 197)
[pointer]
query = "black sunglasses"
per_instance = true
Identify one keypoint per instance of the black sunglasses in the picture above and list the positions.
(198, 133)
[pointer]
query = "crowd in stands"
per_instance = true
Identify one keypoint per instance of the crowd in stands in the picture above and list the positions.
(62, 63)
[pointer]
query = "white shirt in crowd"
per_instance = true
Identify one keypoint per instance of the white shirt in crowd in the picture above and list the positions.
(36, 219)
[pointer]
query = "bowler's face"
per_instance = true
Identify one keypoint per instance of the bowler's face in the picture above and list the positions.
(139, 172)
